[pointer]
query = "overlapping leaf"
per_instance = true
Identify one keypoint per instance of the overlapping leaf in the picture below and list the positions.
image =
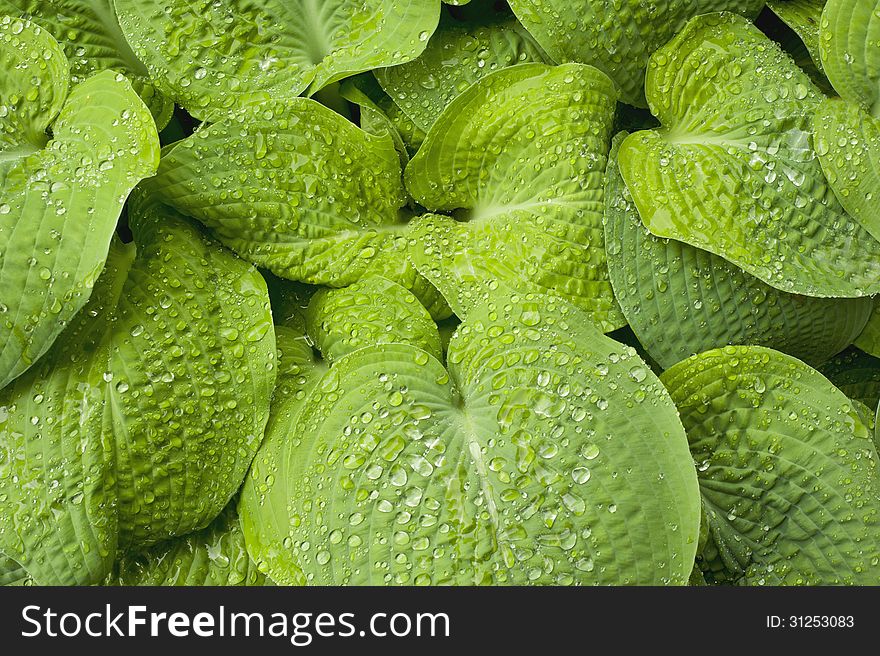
(848, 130)
(294, 187)
(661, 283)
(61, 195)
(616, 36)
(804, 17)
(787, 470)
(502, 468)
(374, 311)
(141, 423)
(90, 35)
(732, 170)
(457, 55)
(213, 57)
(214, 556)
(521, 155)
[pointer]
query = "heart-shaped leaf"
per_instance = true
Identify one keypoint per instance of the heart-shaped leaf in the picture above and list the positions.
(732, 170)
(507, 466)
(141, 424)
(712, 303)
(787, 470)
(521, 154)
(214, 57)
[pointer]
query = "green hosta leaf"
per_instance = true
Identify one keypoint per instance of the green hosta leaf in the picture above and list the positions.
(856, 374)
(213, 57)
(299, 190)
(505, 468)
(804, 17)
(787, 470)
(61, 196)
(193, 331)
(662, 283)
(869, 339)
(616, 36)
(850, 49)
(263, 503)
(372, 118)
(732, 170)
(848, 145)
(90, 35)
(373, 311)
(522, 152)
(457, 56)
(214, 556)
(140, 424)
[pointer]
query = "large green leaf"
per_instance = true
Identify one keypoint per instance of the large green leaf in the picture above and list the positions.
(682, 300)
(457, 55)
(263, 505)
(536, 457)
(521, 154)
(298, 189)
(90, 35)
(214, 56)
(848, 130)
(804, 17)
(214, 556)
(787, 470)
(616, 36)
(142, 420)
(732, 170)
(373, 311)
(850, 33)
(61, 196)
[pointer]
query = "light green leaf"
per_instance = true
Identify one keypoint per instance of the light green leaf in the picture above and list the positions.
(373, 311)
(787, 470)
(297, 189)
(732, 170)
(90, 35)
(214, 57)
(804, 17)
(57, 484)
(213, 556)
(521, 154)
(372, 118)
(848, 145)
(850, 49)
(504, 468)
(193, 331)
(869, 339)
(856, 374)
(141, 422)
(457, 55)
(662, 283)
(61, 196)
(615, 36)
(263, 502)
